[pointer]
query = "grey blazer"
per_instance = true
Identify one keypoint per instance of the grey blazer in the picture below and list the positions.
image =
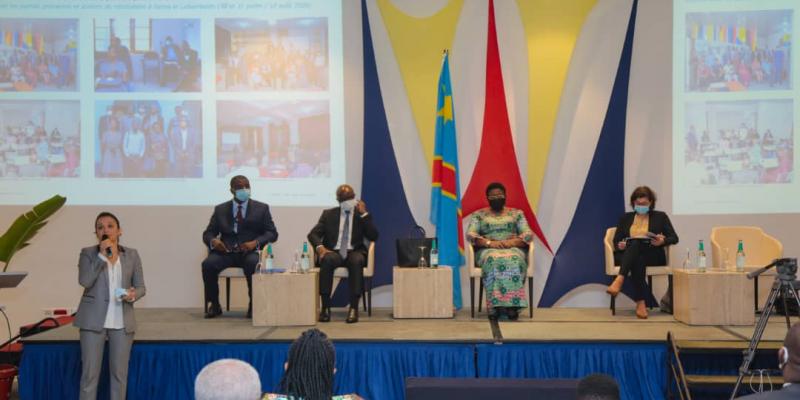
(93, 276)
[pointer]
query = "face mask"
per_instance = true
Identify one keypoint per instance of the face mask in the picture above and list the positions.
(348, 205)
(784, 357)
(497, 204)
(242, 194)
(641, 209)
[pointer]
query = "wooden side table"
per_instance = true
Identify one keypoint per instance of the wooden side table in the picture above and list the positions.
(422, 292)
(285, 299)
(713, 298)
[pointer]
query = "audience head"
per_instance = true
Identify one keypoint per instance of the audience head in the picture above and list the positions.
(789, 355)
(598, 387)
(496, 196)
(310, 366)
(643, 196)
(227, 379)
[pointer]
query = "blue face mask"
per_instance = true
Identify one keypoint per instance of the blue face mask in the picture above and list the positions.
(641, 209)
(242, 194)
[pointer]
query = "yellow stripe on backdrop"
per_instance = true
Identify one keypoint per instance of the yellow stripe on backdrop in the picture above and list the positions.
(551, 29)
(418, 44)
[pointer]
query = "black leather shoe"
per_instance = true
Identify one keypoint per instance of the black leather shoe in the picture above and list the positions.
(213, 311)
(324, 315)
(352, 316)
(513, 313)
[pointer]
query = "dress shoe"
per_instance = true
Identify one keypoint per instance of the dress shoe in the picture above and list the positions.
(352, 315)
(324, 315)
(513, 313)
(214, 310)
(614, 288)
(641, 310)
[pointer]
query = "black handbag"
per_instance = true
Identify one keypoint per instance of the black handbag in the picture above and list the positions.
(408, 249)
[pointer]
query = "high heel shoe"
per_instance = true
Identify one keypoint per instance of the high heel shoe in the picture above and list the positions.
(641, 310)
(615, 287)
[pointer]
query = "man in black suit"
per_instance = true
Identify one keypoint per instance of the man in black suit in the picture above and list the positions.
(338, 239)
(236, 230)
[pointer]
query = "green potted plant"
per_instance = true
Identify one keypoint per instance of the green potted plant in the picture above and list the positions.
(26, 226)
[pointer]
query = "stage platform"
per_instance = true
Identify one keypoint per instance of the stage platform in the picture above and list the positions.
(376, 355)
(547, 325)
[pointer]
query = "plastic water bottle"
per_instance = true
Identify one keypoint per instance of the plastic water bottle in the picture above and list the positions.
(269, 262)
(701, 257)
(740, 257)
(434, 255)
(304, 259)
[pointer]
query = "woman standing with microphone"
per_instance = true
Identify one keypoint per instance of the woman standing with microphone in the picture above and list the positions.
(112, 279)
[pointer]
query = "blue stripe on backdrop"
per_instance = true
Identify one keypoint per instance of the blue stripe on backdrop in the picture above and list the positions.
(640, 369)
(579, 260)
(381, 186)
(167, 371)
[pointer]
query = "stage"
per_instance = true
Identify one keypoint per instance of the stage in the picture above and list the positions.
(375, 355)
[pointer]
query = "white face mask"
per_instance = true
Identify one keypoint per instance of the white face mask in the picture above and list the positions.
(784, 357)
(348, 205)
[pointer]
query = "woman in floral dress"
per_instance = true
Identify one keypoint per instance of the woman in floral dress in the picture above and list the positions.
(500, 236)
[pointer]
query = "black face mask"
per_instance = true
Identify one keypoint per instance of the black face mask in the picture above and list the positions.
(497, 204)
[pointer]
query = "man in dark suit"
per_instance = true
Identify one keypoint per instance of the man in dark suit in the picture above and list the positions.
(236, 230)
(789, 363)
(338, 239)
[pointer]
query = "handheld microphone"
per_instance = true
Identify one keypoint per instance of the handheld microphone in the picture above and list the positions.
(108, 250)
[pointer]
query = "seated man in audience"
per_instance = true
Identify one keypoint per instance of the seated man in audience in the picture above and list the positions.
(237, 229)
(339, 241)
(789, 363)
(598, 387)
(227, 379)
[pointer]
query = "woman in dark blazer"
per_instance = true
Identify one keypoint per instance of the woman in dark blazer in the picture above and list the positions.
(639, 241)
(112, 279)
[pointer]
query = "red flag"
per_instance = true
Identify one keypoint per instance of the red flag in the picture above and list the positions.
(497, 161)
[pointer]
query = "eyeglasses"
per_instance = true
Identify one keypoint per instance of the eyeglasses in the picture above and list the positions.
(495, 197)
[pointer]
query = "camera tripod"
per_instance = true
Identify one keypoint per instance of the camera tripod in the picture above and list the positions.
(785, 286)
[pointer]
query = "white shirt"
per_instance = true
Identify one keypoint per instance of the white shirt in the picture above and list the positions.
(114, 318)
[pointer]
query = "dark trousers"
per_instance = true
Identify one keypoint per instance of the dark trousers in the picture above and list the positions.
(633, 261)
(216, 262)
(355, 262)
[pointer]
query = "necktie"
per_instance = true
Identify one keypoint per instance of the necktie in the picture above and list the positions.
(239, 218)
(345, 235)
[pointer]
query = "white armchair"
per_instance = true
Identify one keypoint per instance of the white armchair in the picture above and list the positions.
(369, 271)
(613, 270)
(476, 272)
(759, 247)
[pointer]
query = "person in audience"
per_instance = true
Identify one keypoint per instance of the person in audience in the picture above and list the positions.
(598, 387)
(112, 280)
(500, 235)
(650, 230)
(237, 228)
(789, 364)
(227, 379)
(338, 240)
(309, 369)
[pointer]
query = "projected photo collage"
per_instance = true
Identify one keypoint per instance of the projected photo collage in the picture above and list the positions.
(272, 131)
(735, 140)
(273, 139)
